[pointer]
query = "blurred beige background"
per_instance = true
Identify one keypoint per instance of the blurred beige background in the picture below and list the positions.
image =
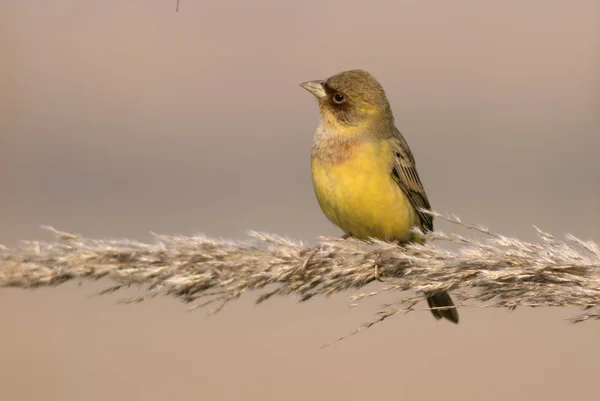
(125, 117)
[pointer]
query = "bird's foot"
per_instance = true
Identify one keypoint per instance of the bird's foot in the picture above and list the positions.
(313, 251)
(377, 266)
(308, 258)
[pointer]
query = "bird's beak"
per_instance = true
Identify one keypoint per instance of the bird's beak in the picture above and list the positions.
(316, 88)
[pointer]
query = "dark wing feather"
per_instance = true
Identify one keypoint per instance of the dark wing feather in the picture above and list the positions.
(405, 174)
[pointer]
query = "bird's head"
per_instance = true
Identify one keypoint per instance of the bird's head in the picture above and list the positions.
(351, 98)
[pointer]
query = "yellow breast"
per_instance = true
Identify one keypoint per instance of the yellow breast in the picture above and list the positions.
(359, 195)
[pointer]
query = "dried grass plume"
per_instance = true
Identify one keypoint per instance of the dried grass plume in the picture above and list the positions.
(492, 271)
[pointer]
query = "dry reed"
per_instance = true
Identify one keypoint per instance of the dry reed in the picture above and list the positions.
(492, 271)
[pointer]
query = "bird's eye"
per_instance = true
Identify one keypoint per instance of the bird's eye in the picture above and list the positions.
(338, 98)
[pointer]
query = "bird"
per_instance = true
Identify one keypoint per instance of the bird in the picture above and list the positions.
(363, 172)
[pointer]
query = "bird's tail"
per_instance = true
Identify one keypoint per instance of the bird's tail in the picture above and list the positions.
(440, 300)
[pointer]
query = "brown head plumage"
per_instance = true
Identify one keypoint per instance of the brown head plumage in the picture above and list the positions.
(352, 97)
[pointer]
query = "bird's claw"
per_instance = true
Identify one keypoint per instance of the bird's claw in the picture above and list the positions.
(377, 275)
(308, 258)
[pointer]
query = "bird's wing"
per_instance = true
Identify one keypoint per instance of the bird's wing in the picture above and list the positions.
(405, 174)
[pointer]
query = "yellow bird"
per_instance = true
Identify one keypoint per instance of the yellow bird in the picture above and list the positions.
(363, 171)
